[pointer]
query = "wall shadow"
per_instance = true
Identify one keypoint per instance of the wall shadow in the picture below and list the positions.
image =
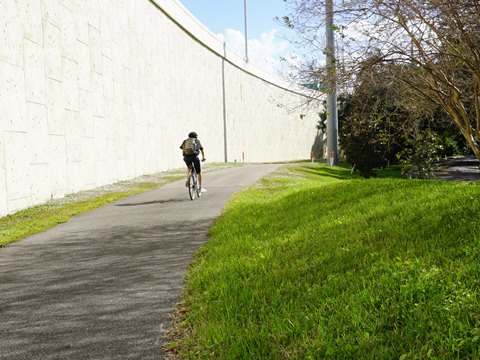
(319, 147)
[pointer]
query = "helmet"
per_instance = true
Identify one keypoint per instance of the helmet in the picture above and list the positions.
(193, 134)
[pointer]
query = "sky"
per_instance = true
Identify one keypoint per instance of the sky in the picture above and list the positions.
(267, 40)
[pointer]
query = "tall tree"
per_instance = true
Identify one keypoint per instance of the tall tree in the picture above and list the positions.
(381, 122)
(439, 38)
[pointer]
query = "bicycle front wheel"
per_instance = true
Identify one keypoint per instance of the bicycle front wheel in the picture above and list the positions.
(192, 186)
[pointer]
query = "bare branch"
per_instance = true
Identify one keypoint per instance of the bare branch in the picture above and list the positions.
(439, 38)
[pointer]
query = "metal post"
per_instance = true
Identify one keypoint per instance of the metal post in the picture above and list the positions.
(224, 102)
(332, 112)
(246, 36)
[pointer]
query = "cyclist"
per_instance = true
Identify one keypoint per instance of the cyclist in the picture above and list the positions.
(191, 147)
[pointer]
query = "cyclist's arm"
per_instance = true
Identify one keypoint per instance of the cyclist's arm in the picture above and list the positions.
(203, 154)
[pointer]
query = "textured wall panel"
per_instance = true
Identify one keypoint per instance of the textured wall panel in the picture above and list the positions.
(52, 11)
(97, 91)
(34, 72)
(95, 49)
(88, 167)
(84, 68)
(70, 84)
(73, 135)
(86, 113)
(11, 33)
(68, 34)
(38, 133)
(52, 51)
(31, 12)
(12, 98)
(55, 102)
(58, 174)
(17, 164)
(40, 188)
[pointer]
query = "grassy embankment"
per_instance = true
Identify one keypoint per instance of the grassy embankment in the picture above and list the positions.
(316, 263)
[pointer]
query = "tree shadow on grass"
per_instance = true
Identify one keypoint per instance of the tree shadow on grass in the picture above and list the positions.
(391, 172)
(344, 172)
(336, 172)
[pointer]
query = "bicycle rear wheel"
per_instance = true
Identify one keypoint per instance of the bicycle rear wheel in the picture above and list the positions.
(192, 186)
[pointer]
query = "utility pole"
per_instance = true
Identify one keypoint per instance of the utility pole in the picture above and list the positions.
(332, 112)
(224, 102)
(245, 21)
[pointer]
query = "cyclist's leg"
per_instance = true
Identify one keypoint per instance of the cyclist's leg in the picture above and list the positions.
(198, 169)
(188, 161)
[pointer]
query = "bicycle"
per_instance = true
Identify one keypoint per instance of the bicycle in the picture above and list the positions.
(192, 182)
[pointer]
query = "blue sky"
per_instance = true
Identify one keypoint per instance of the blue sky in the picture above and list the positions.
(220, 15)
(266, 39)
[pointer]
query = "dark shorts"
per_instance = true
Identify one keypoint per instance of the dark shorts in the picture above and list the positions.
(193, 159)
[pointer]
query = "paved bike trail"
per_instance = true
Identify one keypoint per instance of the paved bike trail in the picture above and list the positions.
(465, 168)
(102, 285)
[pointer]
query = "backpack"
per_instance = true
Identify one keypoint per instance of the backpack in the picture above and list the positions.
(190, 147)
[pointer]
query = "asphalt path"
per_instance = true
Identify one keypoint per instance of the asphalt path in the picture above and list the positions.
(103, 284)
(459, 169)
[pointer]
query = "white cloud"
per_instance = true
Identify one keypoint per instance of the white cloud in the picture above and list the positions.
(234, 40)
(264, 52)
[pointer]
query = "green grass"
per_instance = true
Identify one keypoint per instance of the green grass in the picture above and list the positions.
(42, 217)
(317, 263)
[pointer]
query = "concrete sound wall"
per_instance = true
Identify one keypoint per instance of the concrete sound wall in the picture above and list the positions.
(97, 91)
